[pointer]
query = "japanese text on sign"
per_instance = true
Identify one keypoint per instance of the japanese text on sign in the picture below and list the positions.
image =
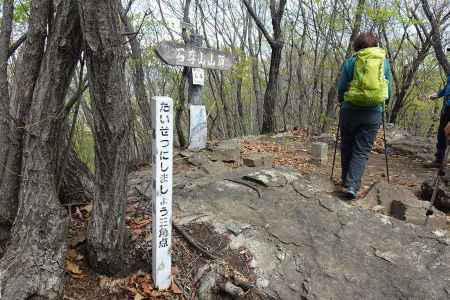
(162, 120)
(182, 55)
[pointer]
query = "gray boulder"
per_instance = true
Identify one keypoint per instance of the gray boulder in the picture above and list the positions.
(226, 151)
(324, 138)
(402, 204)
(443, 196)
(307, 244)
(413, 146)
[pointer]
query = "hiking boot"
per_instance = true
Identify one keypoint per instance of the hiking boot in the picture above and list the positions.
(436, 164)
(349, 193)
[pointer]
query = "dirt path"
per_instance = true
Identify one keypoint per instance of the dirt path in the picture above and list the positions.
(403, 171)
(294, 151)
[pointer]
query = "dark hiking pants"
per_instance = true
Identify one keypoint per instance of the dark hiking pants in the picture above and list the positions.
(359, 128)
(441, 138)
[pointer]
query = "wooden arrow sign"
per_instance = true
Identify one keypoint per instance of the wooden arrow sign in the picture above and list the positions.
(182, 55)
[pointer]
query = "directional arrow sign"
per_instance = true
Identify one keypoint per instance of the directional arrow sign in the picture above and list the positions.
(182, 55)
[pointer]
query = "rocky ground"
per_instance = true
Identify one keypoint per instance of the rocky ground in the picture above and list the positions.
(277, 229)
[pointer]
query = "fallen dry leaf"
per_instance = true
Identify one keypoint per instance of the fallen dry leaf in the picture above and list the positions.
(147, 288)
(156, 293)
(138, 223)
(73, 268)
(174, 270)
(78, 276)
(87, 209)
(72, 254)
(175, 288)
(138, 297)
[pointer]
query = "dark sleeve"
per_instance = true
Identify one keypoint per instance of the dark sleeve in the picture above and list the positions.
(345, 79)
(388, 76)
(446, 90)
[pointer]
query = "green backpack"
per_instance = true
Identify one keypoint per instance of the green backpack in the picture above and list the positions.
(369, 87)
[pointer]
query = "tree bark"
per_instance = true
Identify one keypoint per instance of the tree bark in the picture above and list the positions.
(33, 266)
(408, 80)
(110, 105)
(26, 75)
(239, 80)
(5, 39)
(271, 95)
(276, 44)
(436, 37)
(78, 182)
(179, 109)
(255, 80)
(332, 93)
(140, 90)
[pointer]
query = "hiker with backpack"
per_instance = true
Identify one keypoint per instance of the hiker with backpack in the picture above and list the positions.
(364, 89)
(444, 120)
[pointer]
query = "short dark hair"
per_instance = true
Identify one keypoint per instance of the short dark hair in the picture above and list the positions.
(365, 40)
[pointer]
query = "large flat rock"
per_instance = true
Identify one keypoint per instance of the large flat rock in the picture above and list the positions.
(413, 146)
(402, 204)
(309, 245)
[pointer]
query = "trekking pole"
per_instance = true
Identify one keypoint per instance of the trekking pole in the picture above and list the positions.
(440, 173)
(385, 148)
(335, 146)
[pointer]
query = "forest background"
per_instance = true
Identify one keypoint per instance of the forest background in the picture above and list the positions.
(77, 76)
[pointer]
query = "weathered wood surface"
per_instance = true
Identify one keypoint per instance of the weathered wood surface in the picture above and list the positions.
(182, 55)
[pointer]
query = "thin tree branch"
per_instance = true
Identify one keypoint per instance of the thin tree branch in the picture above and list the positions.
(16, 44)
(258, 22)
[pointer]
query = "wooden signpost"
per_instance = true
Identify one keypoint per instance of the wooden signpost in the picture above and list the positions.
(199, 58)
(175, 54)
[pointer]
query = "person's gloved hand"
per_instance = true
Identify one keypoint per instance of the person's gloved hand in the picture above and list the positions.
(433, 96)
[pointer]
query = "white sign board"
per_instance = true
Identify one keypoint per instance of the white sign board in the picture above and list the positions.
(198, 76)
(162, 141)
(198, 128)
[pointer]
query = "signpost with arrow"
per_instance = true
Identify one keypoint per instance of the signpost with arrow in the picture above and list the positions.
(197, 58)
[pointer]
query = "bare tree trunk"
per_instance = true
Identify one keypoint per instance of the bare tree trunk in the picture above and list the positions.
(22, 93)
(436, 36)
(5, 39)
(271, 95)
(332, 93)
(6, 211)
(276, 44)
(179, 109)
(239, 103)
(303, 101)
(255, 80)
(105, 64)
(289, 66)
(77, 184)
(408, 80)
(139, 86)
(33, 266)
(229, 122)
(240, 106)
(75, 181)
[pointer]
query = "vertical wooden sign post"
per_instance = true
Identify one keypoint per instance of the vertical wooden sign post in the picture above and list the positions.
(162, 141)
(198, 58)
(198, 131)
